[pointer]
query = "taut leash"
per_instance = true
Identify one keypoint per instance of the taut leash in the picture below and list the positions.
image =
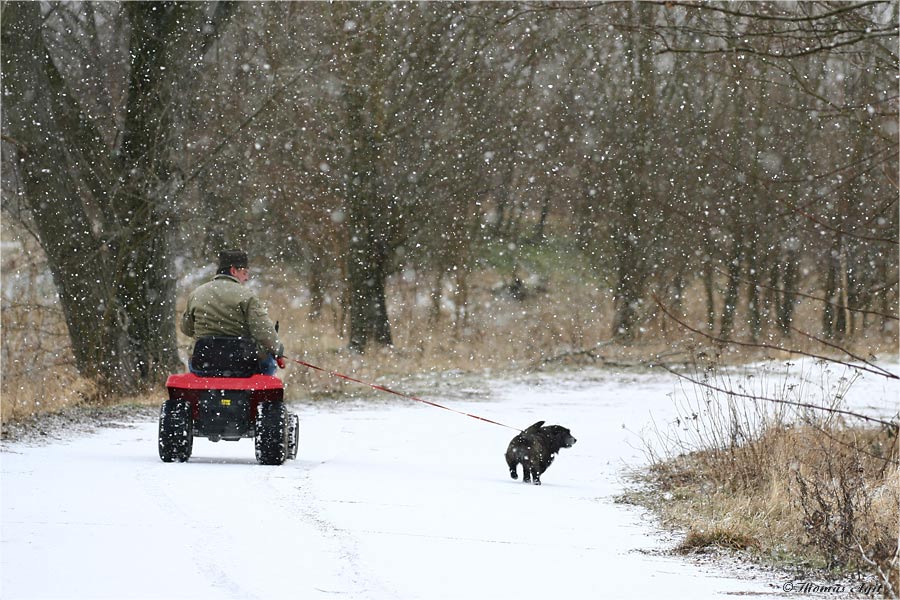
(381, 388)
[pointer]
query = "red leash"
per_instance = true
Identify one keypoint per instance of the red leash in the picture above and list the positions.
(381, 388)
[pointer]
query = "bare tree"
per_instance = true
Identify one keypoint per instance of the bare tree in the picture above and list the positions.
(102, 192)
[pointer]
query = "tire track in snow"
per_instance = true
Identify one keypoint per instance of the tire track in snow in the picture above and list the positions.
(212, 570)
(295, 491)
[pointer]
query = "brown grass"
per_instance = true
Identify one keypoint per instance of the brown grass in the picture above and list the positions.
(816, 496)
(568, 325)
(564, 321)
(36, 374)
(718, 537)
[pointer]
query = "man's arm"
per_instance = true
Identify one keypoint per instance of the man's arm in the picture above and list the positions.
(187, 321)
(262, 329)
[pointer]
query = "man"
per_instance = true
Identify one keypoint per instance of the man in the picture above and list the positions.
(224, 313)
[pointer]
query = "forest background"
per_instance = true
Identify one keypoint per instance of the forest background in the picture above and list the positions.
(445, 185)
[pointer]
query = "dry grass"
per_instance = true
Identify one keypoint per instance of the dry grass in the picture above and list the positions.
(498, 333)
(719, 537)
(805, 489)
(565, 319)
(36, 371)
(567, 323)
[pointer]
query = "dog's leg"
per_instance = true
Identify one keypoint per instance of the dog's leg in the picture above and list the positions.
(537, 478)
(526, 473)
(512, 467)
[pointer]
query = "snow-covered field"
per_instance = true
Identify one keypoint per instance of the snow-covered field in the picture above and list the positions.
(386, 500)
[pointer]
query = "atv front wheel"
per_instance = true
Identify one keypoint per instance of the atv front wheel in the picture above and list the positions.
(176, 431)
(272, 431)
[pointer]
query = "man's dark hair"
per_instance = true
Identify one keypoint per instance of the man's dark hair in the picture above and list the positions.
(231, 258)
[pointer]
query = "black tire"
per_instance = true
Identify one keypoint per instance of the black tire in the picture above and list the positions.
(293, 435)
(272, 428)
(176, 431)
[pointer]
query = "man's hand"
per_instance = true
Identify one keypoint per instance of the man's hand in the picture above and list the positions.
(281, 362)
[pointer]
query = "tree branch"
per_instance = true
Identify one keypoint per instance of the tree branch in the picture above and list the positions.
(894, 426)
(810, 297)
(869, 368)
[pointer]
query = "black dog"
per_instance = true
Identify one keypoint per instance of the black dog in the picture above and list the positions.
(535, 448)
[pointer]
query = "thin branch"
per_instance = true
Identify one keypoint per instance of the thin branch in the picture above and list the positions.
(787, 55)
(736, 13)
(894, 426)
(811, 297)
(540, 8)
(836, 230)
(213, 154)
(870, 368)
(840, 349)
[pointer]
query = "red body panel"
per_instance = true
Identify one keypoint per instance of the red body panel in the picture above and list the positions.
(187, 386)
(189, 381)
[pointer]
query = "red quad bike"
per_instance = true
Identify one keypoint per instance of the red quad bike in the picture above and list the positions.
(229, 408)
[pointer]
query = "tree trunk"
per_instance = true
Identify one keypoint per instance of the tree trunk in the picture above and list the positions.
(847, 319)
(461, 298)
(629, 291)
(367, 271)
(436, 294)
(83, 268)
(113, 272)
(754, 297)
(771, 296)
(539, 236)
(726, 327)
(370, 214)
(709, 287)
(788, 298)
(828, 310)
(631, 237)
(142, 243)
(316, 282)
(368, 224)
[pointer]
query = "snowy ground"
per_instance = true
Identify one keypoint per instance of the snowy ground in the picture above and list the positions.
(392, 500)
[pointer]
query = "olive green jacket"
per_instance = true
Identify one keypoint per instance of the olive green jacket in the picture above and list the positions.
(225, 307)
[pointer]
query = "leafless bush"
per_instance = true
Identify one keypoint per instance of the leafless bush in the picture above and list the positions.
(848, 507)
(775, 455)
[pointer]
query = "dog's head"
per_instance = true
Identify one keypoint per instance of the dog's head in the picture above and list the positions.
(556, 436)
(560, 436)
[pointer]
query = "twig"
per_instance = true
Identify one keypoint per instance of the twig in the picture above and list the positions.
(845, 351)
(856, 448)
(885, 578)
(811, 297)
(213, 154)
(771, 17)
(890, 424)
(869, 369)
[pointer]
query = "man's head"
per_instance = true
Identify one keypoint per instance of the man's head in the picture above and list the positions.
(234, 263)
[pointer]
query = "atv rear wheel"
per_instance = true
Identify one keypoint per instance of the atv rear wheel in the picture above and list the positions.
(272, 432)
(176, 431)
(293, 435)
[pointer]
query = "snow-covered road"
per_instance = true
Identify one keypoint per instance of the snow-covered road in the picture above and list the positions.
(392, 500)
